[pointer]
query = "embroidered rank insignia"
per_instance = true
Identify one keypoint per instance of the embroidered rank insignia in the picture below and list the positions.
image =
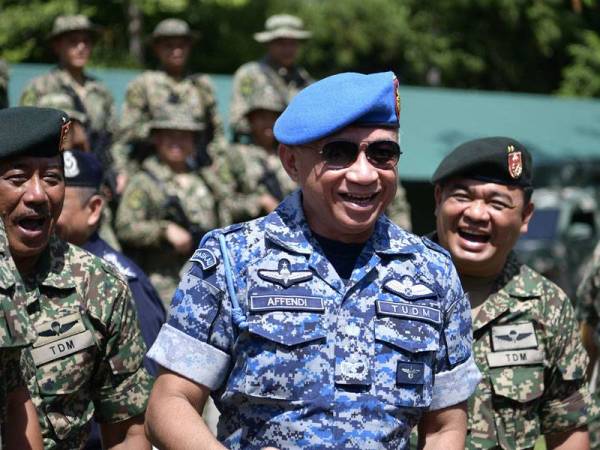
(407, 289)
(513, 336)
(64, 131)
(515, 358)
(397, 93)
(408, 311)
(276, 302)
(515, 162)
(283, 276)
(410, 373)
(205, 258)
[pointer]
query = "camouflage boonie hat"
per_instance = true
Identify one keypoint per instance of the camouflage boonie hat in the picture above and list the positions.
(282, 26)
(63, 102)
(264, 98)
(173, 28)
(174, 117)
(66, 24)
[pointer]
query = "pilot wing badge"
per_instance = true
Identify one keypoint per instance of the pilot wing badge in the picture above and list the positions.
(284, 275)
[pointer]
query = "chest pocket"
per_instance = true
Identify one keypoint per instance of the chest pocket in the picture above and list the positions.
(516, 395)
(284, 355)
(404, 361)
(64, 356)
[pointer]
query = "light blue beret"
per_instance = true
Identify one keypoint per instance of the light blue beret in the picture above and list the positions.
(337, 101)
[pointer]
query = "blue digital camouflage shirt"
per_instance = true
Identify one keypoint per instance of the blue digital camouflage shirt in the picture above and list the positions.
(319, 363)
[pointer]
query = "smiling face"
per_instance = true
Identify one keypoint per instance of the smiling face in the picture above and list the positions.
(31, 197)
(480, 223)
(73, 49)
(174, 147)
(342, 204)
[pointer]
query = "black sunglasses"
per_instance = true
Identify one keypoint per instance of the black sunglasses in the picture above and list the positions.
(342, 154)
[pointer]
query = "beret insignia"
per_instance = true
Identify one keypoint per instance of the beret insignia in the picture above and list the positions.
(64, 131)
(515, 162)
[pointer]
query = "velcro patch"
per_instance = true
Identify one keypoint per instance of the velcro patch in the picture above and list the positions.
(515, 358)
(205, 258)
(408, 290)
(58, 328)
(276, 302)
(409, 311)
(63, 347)
(410, 373)
(514, 336)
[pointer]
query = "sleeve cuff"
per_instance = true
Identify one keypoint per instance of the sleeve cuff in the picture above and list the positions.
(454, 386)
(189, 357)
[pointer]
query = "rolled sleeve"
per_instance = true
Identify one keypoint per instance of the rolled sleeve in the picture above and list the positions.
(189, 357)
(454, 386)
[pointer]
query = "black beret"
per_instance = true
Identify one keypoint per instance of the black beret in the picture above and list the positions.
(499, 160)
(82, 169)
(31, 131)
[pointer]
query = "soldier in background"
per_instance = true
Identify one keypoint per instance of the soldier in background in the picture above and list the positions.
(20, 428)
(4, 77)
(282, 36)
(526, 341)
(88, 352)
(587, 309)
(169, 204)
(72, 40)
(172, 84)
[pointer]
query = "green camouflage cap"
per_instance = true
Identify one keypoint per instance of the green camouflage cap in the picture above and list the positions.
(264, 97)
(174, 117)
(173, 28)
(66, 24)
(282, 26)
(63, 102)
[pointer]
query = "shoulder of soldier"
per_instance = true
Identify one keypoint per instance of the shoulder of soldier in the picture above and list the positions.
(202, 80)
(147, 77)
(94, 270)
(40, 85)
(435, 246)
(249, 68)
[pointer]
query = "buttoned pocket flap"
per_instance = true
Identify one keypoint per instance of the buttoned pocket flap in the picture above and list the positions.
(288, 328)
(411, 335)
(521, 384)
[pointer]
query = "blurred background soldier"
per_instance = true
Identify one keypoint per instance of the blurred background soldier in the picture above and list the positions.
(168, 205)
(282, 36)
(88, 351)
(78, 224)
(148, 93)
(3, 84)
(72, 40)
(19, 429)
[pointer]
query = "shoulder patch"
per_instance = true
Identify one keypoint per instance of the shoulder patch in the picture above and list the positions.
(434, 246)
(205, 258)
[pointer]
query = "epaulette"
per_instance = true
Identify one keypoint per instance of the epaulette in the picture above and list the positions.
(233, 227)
(435, 246)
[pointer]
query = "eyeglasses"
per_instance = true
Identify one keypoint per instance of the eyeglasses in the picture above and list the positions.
(341, 154)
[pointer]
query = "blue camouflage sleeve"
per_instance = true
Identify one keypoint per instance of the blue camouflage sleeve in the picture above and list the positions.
(456, 373)
(196, 339)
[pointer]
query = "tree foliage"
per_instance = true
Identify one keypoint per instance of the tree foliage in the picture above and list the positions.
(540, 46)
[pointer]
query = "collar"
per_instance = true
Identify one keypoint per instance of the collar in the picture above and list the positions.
(54, 268)
(288, 228)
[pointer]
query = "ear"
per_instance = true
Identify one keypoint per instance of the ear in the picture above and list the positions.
(527, 215)
(437, 194)
(289, 160)
(95, 205)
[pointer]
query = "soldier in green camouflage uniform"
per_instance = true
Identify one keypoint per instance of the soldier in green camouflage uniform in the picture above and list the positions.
(282, 36)
(88, 351)
(526, 342)
(587, 311)
(16, 333)
(148, 93)
(72, 41)
(168, 204)
(3, 84)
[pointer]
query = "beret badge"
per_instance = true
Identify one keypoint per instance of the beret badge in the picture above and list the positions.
(64, 131)
(515, 162)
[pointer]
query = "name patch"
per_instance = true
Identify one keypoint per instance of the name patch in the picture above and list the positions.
(410, 373)
(515, 358)
(514, 336)
(409, 311)
(406, 288)
(205, 258)
(277, 302)
(62, 347)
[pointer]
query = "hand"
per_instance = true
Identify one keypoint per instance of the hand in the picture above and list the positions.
(179, 238)
(268, 203)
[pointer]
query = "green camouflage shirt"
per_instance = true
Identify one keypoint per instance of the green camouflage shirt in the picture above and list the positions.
(142, 218)
(253, 76)
(3, 84)
(89, 349)
(16, 331)
(94, 95)
(527, 347)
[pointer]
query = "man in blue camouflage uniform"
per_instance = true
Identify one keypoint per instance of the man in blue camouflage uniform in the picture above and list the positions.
(322, 325)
